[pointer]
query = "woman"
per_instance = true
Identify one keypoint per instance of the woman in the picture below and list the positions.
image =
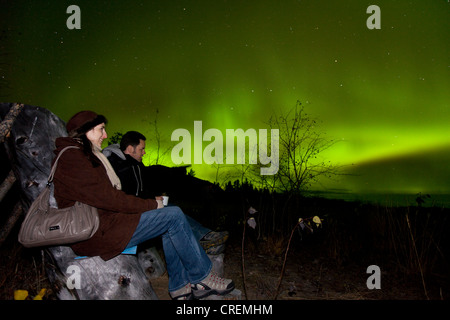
(85, 175)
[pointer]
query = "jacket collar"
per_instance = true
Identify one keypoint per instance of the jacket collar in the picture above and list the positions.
(132, 160)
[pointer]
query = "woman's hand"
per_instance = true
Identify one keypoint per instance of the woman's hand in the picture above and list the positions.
(159, 200)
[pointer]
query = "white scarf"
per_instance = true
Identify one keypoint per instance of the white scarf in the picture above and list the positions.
(115, 181)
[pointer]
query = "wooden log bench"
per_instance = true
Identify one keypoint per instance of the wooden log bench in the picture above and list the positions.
(31, 132)
(91, 278)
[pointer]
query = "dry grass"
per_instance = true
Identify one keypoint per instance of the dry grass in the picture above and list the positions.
(22, 269)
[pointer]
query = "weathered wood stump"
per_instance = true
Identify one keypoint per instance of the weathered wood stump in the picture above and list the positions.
(78, 278)
(30, 146)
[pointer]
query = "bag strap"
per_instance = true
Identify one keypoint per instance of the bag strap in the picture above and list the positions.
(52, 172)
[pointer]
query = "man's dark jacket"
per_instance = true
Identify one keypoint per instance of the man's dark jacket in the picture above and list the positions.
(131, 172)
(147, 182)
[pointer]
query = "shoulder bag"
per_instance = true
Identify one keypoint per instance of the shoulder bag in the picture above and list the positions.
(47, 226)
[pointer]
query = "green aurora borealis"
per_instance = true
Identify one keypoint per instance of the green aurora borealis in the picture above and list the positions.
(383, 94)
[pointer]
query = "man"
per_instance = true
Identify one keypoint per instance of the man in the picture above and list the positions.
(126, 159)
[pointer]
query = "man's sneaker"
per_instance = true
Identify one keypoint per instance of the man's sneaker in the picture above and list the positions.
(214, 239)
(184, 293)
(212, 284)
(215, 250)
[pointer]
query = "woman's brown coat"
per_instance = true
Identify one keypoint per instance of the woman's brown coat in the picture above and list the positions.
(76, 179)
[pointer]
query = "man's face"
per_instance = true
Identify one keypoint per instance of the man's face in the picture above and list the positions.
(136, 152)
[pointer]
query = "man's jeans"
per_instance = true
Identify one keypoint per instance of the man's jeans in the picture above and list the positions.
(186, 260)
(198, 230)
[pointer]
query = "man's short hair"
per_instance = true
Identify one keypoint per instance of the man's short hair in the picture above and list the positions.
(131, 138)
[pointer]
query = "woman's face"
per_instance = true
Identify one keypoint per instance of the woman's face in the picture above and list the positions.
(97, 134)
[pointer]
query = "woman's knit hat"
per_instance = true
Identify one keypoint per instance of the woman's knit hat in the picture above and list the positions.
(83, 121)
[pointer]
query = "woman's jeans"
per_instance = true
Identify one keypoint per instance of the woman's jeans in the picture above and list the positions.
(186, 260)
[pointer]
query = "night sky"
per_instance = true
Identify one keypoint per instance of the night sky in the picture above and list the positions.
(383, 94)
